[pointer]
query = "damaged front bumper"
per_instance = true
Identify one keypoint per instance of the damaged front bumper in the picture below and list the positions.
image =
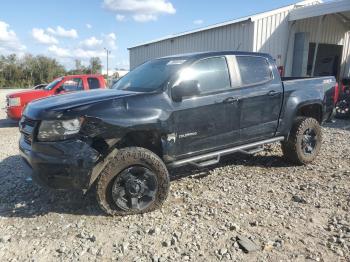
(67, 165)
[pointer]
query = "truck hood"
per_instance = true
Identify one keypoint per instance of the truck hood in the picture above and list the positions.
(51, 107)
(33, 93)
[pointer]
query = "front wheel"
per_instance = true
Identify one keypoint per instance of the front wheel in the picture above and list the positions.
(135, 181)
(304, 142)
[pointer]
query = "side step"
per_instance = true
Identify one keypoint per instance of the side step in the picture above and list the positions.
(252, 151)
(214, 157)
(206, 162)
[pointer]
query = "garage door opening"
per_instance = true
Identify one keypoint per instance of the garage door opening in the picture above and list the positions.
(328, 60)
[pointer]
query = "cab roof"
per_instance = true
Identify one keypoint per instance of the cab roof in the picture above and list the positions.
(199, 55)
(84, 75)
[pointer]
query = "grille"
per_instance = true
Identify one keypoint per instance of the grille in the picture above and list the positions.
(29, 122)
(27, 138)
(27, 127)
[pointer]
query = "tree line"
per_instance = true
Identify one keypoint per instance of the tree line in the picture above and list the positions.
(29, 70)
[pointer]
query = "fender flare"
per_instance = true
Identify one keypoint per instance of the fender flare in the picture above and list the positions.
(96, 171)
(292, 108)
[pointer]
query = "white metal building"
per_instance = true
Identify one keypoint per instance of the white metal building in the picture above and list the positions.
(308, 38)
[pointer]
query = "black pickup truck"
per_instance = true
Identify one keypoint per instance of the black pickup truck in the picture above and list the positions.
(166, 113)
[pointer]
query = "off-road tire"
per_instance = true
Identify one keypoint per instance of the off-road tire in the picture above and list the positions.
(341, 113)
(292, 148)
(125, 158)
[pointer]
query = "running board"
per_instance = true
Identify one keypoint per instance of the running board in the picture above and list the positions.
(214, 157)
(252, 151)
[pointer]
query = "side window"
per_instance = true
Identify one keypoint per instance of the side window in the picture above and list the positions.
(74, 84)
(211, 73)
(254, 70)
(93, 83)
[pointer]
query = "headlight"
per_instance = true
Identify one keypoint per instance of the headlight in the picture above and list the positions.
(59, 129)
(14, 101)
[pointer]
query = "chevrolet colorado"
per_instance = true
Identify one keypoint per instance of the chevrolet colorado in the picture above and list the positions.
(166, 113)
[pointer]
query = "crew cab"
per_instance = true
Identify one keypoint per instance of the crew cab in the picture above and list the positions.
(169, 112)
(16, 102)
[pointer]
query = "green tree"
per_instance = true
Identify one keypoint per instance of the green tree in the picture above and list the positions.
(79, 68)
(95, 66)
(28, 70)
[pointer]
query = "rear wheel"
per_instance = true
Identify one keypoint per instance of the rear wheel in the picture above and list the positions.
(304, 142)
(135, 181)
(342, 109)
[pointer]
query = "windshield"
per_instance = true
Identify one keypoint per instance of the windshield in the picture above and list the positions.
(53, 84)
(149, 76)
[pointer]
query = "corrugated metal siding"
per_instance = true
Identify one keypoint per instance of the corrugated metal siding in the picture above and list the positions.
(268, 34)
(231, 37)
(271, 35)
(332, 31)
(346, 56)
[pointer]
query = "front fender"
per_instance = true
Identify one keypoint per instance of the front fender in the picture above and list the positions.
(97, 170)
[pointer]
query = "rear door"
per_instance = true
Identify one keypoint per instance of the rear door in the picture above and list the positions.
(93, 83)
(209, 120)
(261, 98)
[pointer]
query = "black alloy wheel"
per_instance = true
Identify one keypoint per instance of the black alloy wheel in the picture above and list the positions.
(134, 181)
(134, 188)
(309, 141)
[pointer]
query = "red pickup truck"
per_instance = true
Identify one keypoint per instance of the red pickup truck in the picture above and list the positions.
(16, 102)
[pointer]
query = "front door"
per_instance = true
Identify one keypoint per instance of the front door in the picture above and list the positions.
(208, 121)
(261, 98)
(71, 84)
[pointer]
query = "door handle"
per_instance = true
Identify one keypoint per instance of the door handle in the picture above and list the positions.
(272, 93)
(230, 100)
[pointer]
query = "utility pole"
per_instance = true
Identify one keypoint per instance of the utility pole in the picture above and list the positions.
(107, 52)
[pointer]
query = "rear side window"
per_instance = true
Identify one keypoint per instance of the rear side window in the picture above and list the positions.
(211, 73)
(94, 83)
(254, 70)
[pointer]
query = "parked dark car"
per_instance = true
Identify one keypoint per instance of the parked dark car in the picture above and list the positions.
(166, 113)
(343, 104)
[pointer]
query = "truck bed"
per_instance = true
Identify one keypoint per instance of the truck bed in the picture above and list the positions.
(320, 83)
(307, 87)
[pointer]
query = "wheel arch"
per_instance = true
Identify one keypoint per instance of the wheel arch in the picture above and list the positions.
(150, 139)
(312, 109)
(294, 108)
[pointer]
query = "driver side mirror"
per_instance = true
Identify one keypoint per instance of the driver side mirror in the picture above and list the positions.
(185, 89)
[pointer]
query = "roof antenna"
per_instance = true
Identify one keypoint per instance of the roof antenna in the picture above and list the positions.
(238, 47)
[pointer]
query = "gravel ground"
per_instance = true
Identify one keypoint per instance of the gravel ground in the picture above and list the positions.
(291, 213)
